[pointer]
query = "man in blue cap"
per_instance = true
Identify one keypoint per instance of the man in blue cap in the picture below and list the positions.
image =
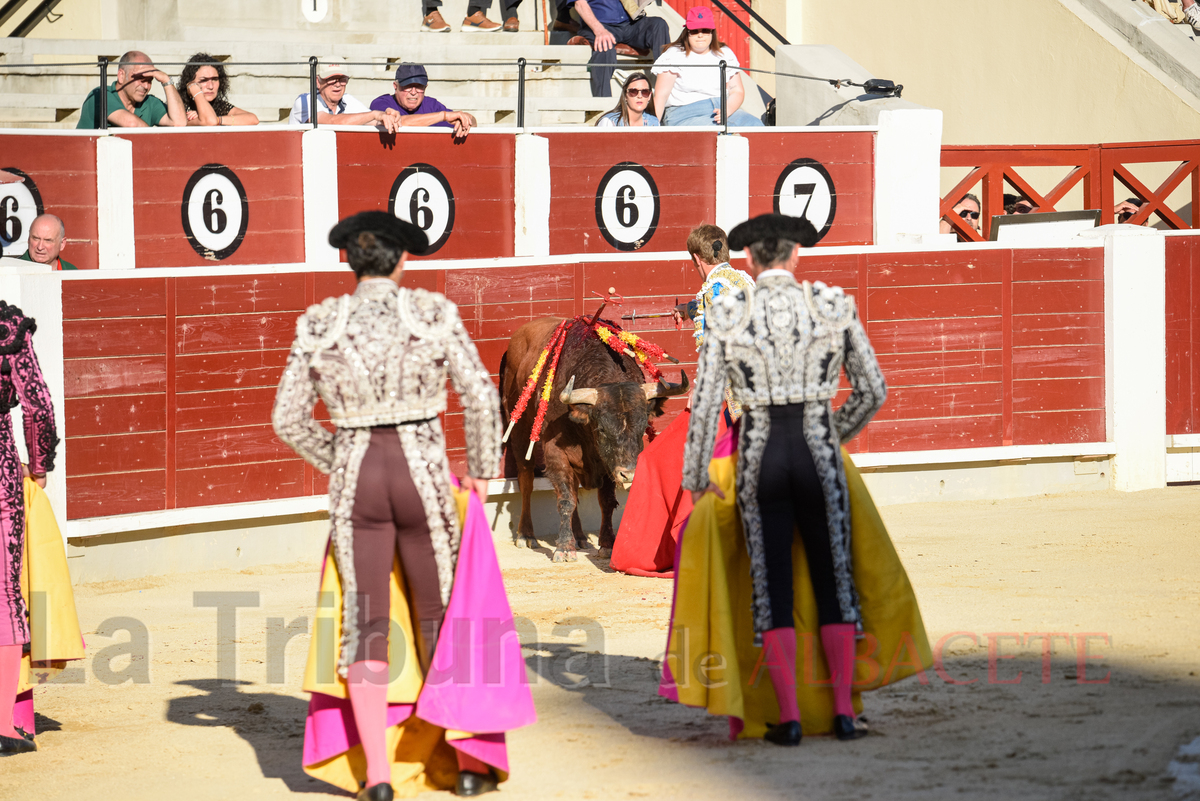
(416, 108)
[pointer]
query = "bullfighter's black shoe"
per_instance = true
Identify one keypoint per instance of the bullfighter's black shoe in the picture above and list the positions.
(24, 733)
(16, 745)
(784, 733)
(471, 783)
(377, 792)
(848, 728)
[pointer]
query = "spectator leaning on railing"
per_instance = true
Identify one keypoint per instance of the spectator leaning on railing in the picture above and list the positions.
(204, 87)
(128, 102)
(335, 106)
(688, 91)
(417, 108)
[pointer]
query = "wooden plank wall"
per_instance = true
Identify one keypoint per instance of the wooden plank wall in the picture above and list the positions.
(170, 381)
(1183, 334)
(63, 168)
(479, 169)
(268, 165)
(849, 157)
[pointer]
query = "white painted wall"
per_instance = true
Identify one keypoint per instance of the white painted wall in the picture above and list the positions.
(908, 154)
(733, 181)
(114, 203)
(532, 188)
(319, 173)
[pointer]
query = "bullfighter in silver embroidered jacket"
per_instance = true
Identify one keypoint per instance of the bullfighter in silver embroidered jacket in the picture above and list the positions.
(781, 346)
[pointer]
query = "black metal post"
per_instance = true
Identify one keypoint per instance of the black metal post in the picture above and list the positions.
(521, 93)
(102, 98)
(312, 89)
(724, 99)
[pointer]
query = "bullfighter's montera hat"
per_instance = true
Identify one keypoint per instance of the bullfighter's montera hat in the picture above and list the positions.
(773, 226)
(383, 225)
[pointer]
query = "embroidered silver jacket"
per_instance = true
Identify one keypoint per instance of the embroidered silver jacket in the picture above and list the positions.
(381, 357)
(785, 343)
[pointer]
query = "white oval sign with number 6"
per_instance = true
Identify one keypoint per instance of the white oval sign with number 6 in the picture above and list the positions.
(215, 212)
(422, 196)
(627, 206)
(20, 205)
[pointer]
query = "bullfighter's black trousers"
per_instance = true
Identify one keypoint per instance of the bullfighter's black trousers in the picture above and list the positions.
(389, 517)
(790, 497)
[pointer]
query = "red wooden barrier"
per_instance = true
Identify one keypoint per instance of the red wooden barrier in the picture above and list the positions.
(60, 179)
(234, 198)
(461, 193)
(1183, 334)
(613, 192)
(828, 177)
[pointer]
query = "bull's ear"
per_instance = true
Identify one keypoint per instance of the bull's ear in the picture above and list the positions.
(581, 413)
(656, 407)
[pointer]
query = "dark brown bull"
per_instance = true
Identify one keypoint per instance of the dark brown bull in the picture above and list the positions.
(599, 409)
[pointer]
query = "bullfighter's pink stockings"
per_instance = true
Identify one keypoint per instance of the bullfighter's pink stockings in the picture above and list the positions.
(780, 659)
(838, 642)
(10, 670)
(367, 685)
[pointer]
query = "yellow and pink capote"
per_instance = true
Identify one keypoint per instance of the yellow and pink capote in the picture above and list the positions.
(712, 661)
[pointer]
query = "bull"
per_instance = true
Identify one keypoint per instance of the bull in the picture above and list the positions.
(600, 406)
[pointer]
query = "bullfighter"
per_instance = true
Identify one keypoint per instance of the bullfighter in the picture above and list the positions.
(379, 359)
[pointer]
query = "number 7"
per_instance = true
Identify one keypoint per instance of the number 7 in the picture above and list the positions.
(807, 191)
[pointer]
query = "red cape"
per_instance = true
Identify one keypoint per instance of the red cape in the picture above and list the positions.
(658, 507)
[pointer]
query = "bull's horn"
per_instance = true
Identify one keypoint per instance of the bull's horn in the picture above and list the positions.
(661, 389)
(571, 396)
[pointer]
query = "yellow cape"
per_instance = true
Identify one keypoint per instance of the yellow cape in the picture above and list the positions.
(421, 758)
(711, 652)
(46, 588)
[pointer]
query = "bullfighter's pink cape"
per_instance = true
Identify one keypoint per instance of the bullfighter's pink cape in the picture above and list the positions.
(475, 692)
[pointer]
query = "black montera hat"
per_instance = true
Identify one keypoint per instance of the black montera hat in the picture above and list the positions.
(383, 225)
(773, 226)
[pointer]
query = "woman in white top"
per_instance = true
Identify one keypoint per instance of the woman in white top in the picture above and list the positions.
(688, 91)
(636, 107)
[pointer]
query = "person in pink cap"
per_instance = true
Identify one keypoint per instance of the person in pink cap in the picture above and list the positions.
(688, 90)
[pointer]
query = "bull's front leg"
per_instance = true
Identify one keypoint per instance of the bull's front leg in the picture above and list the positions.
(568, 501)
(608, 504)
(524, 537)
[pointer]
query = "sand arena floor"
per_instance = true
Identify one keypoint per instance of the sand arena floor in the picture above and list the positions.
(1125, 567)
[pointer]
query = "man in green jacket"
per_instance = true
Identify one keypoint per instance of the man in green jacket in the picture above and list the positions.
(128, 102)
(47, 235)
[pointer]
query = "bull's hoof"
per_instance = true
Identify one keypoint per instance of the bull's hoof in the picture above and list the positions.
(604, 553)
(525, 542)
(565, 556)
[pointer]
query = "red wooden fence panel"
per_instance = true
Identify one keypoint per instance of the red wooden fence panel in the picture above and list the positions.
(229, 197)
(60, 179)
(1183, 334)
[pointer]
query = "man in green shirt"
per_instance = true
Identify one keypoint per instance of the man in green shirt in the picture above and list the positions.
(129, 103)
(46, 237)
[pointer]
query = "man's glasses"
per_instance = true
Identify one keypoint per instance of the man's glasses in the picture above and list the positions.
(414, 88)
(638, 92)
(339, 79)
(969, 215)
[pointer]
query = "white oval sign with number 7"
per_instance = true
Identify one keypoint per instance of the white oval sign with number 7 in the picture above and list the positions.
(805, 189)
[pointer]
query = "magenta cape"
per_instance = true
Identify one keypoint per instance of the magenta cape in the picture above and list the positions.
(477, 688)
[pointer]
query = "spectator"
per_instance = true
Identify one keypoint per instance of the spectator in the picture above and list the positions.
(1127, 208)
(47, 235)
(128, 101)
(969, 209)
(636, 107)
(419, 109)
(204, 87)
(1023, 206)
(475, 21)
(336, 106)
(688, 91)
(607, 24)
(1192, 11)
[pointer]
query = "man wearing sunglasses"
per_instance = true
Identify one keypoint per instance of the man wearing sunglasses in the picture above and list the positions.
(969, 209)
(128, 102)
(419, 109)
(335, 106)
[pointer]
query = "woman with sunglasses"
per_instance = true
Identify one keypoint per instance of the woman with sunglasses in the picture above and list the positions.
(636, 107)
(204, 87)
(688, 91)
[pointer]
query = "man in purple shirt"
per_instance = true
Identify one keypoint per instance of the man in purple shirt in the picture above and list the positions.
(417, 109)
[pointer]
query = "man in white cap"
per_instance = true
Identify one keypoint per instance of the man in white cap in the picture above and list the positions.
(335, 106)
